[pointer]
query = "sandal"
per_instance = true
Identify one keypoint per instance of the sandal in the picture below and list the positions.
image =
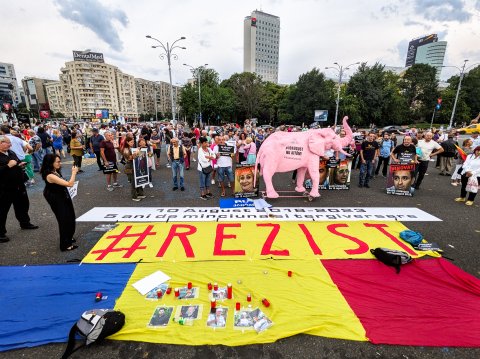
(71, 248)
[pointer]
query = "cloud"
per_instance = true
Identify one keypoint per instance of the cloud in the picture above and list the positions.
(96, 17)
(446, 10)
(402, 48)
(389, 10)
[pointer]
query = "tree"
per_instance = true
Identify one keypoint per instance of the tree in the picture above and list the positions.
(248, 90)
(311, 92)
(271, 101)
(471, 92)
(420, 88)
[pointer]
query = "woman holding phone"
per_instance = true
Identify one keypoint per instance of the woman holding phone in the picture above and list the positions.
(57, 195)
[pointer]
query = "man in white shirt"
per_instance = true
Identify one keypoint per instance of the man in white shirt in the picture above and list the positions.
(427, 146)
(224, 163)
(18, 145)
(476, 140)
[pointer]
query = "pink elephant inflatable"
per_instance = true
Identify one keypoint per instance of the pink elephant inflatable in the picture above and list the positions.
(301, 151)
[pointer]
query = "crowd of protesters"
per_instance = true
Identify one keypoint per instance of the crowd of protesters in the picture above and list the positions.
(41, 147)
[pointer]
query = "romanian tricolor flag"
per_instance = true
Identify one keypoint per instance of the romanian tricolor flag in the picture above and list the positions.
(461, 153)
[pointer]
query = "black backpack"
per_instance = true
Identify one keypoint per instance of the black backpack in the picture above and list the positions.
(391, 257)
(94, 325)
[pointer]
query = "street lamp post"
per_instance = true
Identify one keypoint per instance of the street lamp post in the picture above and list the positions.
(169, 54)
(196, 71)
(341, 69)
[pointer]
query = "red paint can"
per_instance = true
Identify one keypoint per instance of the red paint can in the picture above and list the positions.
(177, 292)
(98, 297)
(215, 286)
(159, 294)
(229, 291)
(290, 273)
(213, 303)
(265, 302)
(169, 290)
(189, 285)
(237, 306)
(209, 285)
(249, 297)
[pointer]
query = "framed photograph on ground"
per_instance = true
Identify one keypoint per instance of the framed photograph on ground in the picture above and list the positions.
(161, 317)
(218, 319)
(153, 294)
(242, 320)
(186, 293)
(260, 321)
(220, 294)
(189, 312)
(401, 179)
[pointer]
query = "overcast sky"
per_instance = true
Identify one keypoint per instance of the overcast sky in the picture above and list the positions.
(39, 35)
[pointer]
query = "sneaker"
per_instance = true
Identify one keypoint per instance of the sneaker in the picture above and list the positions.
(182, 189)
(469, 203)
(213, 181)
(203, 197)
(229, 185)
(110, 188)
(194, 160)
(168, 166)
(367, 186)
(4, 238)
(136, 199)
(141, 197)
(209, 195)
(454, 184)
(460, 199)
(174, 188)
(117, 185)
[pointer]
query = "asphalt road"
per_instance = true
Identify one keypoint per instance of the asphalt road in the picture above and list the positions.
(458, 234)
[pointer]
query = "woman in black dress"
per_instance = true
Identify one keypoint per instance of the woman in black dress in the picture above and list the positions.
(58, 197)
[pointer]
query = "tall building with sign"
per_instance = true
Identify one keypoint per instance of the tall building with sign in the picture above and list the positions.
(427, 50)
(261, 44)
(88, 87)
(36, 98)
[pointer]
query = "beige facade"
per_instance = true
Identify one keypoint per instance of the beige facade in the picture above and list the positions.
(86, 86)
(35, 94)
(154, 96)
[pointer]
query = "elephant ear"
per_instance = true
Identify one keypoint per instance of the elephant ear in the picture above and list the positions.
(316, 143)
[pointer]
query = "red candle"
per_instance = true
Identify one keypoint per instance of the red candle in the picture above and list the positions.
(209, 286)
(189, 285)
(290, 273)
(169, 290)
(98, 297)
(177, 292)
(215, 286)
(265, 302)
(229, 291)
(159, 294)
(213, 303)
(249, 297)
(237, 306)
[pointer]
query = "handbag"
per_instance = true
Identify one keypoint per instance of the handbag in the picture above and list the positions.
(472, 185)
(207, 170)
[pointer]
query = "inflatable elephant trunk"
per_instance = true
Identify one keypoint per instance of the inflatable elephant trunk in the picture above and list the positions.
(347, 140)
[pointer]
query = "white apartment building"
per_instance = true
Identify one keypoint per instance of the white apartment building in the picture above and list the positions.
(154, 96)
(261, 44)
(55, 96)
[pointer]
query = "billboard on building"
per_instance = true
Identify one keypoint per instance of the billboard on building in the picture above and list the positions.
(103, 113)
(416, 43)
(87, 56)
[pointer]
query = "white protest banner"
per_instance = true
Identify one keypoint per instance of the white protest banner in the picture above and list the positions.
(73, 190)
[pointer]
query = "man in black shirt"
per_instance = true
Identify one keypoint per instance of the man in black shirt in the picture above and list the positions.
(405, 153)
(368, 154)
(12, 189)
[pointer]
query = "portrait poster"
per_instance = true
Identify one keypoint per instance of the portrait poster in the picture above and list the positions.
(218, 319)
(160, 317)
(186, 293)
(189, 312)
(140, 168)
(333, 174)
(244, 181)
(225, 150)
(401, 179)
(153, 294)
(220, 294)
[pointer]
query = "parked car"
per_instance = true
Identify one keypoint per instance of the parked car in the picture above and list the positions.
(475, 128)
(393, 129)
